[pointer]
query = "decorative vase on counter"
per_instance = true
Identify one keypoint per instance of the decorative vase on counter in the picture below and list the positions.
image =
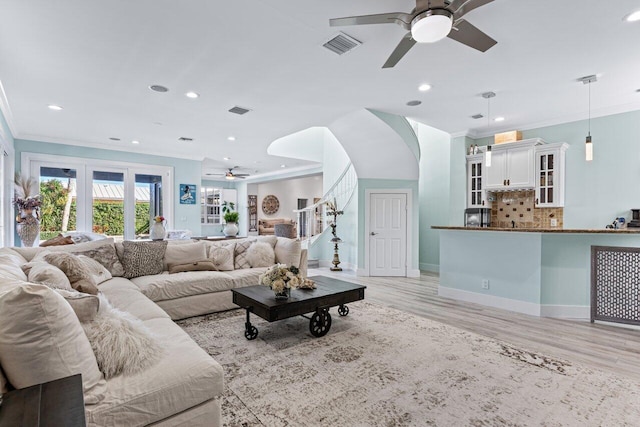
(230, 229)
(157, 232)
(27, 227)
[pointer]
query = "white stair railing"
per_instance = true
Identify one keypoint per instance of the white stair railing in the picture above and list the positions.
(312, 220)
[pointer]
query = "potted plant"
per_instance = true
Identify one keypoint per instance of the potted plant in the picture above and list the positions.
(231, 218)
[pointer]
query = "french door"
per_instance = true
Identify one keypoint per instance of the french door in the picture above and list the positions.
(117, 199)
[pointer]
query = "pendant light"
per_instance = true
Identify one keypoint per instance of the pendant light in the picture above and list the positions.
(488, 96)
(588, 146)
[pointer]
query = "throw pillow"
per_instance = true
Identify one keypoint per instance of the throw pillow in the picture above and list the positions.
(76, 271)
(59, 240)
(98, 272)
(10, 263)
(222, 256)
(41, 340)
(85, 306)
(240, 254)
(102, 251)
(205, 265)
(184, 253)
(43, 273)
(288, 251)
(268, 239)
(121, 342)
(143, 258)
(261, 254)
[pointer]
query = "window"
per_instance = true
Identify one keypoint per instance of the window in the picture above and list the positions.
(114, 198)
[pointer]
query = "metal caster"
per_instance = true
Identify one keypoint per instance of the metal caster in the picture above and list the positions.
(251, 332)
(320, 323)
(343, 310)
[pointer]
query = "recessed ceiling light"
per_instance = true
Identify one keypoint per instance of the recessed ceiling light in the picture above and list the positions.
(226, 158)
(231, 138)
(414, 103)
(55, 107)
(135, 142)
(424, 87)
(159, 88)
(283, 166)
(114, 138)
(499, 119)
(192, 95)
(633, 17)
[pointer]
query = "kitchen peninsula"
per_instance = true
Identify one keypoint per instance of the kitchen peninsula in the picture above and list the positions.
(536, 271)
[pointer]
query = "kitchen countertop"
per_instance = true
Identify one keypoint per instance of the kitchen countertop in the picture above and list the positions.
(544, 230)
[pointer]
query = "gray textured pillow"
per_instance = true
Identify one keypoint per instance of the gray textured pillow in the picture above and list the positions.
(107, 256)
(76, 271)
(98, 272)
(143, 258)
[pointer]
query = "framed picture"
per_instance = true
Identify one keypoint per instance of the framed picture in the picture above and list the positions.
(188, 194)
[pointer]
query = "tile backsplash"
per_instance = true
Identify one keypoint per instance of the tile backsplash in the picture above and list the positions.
(518, 206)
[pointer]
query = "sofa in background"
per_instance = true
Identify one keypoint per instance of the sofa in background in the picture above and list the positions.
(186, 385)
(266, 227)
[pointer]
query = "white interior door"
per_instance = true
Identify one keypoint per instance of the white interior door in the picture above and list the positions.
(388, 234)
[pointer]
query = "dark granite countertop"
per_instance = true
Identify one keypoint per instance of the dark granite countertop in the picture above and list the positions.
(544, 230)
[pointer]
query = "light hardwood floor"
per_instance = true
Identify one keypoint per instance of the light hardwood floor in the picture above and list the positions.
(601, 346)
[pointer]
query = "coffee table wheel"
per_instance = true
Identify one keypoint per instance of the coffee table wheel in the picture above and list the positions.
(320, 323)
(251, 333)
(343, 310)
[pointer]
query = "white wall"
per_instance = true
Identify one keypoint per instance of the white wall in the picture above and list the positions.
(288, 192)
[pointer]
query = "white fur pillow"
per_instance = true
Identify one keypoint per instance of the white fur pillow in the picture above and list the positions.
(261, 254)
(121, 342)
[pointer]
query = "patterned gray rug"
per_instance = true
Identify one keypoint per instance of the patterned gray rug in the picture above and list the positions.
(383, 367)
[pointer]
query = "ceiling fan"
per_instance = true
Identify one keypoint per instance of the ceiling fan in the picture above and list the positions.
(230, 175)
(428, 22)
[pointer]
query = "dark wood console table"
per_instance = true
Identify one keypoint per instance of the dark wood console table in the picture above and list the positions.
(52, 404)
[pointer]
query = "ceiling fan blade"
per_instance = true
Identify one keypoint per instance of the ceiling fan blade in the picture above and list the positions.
(462, 7)
(241, 175)
(401, 50)
(403, 19)
(468, 34)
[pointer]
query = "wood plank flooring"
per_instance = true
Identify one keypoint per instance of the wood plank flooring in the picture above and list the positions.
(601, 346)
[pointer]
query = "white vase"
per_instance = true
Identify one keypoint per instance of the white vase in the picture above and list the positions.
(157, 231)
(230, 229)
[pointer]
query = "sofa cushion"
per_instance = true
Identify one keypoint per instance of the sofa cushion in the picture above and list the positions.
(240, 254)
(185, 377)
(85, 306)
(246, 277)
(43, 273)
(79, 275)
(10, 262)
(126, 296)
(288, 251)
(184, 254)
(261, 254)
(204, 265)
(143, 258)
(38, 322)
(4, 384)
(272, 240)
(169, 286)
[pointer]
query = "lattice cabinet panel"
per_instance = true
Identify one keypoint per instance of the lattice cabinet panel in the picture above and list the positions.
(615, 284)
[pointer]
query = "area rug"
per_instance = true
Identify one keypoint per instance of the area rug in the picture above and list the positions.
(382, 367)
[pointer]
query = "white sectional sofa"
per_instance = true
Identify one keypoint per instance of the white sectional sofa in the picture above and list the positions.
(184, 387)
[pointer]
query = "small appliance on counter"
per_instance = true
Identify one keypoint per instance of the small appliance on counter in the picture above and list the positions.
(477, 217)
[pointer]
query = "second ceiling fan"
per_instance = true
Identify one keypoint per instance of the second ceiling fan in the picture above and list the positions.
(430, 21)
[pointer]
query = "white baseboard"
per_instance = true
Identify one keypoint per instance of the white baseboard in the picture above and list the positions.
(413, 273)
(434, 268)
(362, 273)
(524, 307)
(566, 311)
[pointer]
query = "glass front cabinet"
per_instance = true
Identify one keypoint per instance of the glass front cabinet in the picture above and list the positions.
(476, 194)
(211, 200)
(550, 165)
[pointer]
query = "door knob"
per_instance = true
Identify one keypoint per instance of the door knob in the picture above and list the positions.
(372, 233)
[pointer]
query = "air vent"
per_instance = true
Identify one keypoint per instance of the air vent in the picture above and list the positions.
(184, 138)
(341, 43)
(477, 116)
(239, 110)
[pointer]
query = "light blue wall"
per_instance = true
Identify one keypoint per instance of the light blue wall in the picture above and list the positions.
(185, 172)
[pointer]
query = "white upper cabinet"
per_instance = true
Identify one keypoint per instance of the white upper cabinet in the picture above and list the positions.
(550, 175)
(476, 194)
(512, 165)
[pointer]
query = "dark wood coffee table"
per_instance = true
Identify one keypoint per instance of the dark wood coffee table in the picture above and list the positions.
(260, 300)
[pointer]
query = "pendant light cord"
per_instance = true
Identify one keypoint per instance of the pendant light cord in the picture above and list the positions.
(589, 125)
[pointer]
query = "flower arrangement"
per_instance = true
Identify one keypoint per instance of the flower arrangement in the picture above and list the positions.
(159, 219)
(26, 193)
(279, 277)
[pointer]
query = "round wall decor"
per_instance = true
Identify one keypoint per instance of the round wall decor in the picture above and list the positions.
(270, 204)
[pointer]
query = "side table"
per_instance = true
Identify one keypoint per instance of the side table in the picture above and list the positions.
(51, 404)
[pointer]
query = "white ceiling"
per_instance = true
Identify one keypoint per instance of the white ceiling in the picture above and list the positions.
(97, 58)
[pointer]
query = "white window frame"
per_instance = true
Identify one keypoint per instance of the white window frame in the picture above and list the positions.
(84, 167)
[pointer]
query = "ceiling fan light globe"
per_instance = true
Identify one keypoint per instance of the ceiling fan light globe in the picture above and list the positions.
(431, 26)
